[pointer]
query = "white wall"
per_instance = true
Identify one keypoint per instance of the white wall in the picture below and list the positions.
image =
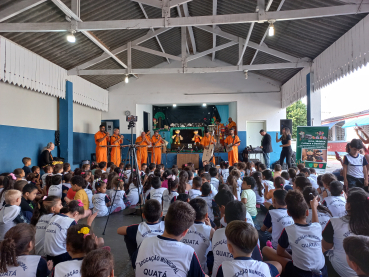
(214, 88)
(85, 119)
(139, 112)
(26, 108)
(232, 110)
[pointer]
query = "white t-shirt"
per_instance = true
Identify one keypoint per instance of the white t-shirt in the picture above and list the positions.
(56, 190)
(146, 230)
(133, 194)
(355, 165)
(278, 219)
(337, 255)
(167, 199)
(336, 204)
(28, 265)
(70, 268)
(56, 235)
(224, 173)
(306, 245)
(215, 182)
(89, 195)
(313, 182)
(99, 202)
(40, 234)
(198, 237)
(270, 186)
(246, 267)
(239, 189)
(193, 193)
(119, 198)
(259, 199)
(157, 255)
(157, 194)
(322, 217)
(209, 201)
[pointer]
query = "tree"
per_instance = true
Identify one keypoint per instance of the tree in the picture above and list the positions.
(297, 112)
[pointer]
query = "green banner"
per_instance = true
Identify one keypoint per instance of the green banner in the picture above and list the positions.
(311, 148)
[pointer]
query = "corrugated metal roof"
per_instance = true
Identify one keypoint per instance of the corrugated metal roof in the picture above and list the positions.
(300, 38)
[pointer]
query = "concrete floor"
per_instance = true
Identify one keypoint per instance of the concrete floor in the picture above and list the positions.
(116, 242)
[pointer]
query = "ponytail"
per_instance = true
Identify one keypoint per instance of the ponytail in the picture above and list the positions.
(43, 207)
(257, 176)
(48, 181)
(73, 206)
(172, 184)
(232, 184)
(308, 197)
(279, 182)
(15, 243)
(183, 178)
(81, 239)
(358, 213)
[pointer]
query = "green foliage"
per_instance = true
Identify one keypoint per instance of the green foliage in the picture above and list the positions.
(297, 112)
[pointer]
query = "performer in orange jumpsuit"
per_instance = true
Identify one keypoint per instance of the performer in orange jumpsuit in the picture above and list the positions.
(142, 151)
(206, 141)
(156, 140)
(101, 140)
(231, 125)
(116, 140)
(232, 155)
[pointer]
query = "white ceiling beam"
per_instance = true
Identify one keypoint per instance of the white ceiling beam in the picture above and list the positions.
(157, 53)
(180, 15)
(266, 32)
(18, 8)
(273, 66)
(188, 21)
(89, 35)
(212, 50)
(215, 8)
(246, 43)
(152, 29)
(76, 7)
(129, 57)
(189, 28)
(159, 4)
(183, 46)
(121, 49)
(254, 45)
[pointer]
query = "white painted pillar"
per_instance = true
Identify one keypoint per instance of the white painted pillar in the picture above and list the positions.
(316, 108)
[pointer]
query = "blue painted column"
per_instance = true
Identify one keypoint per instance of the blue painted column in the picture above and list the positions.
(309, 91)
(66, 124)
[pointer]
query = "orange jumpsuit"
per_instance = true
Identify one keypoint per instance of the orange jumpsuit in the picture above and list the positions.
(233, 125)
(141, 152)
(206, 142)
(156, 152)
(197, 139)
(101, 152)
(115, 151)
(232, 155)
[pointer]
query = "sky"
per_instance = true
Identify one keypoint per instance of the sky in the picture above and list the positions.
(347, 95)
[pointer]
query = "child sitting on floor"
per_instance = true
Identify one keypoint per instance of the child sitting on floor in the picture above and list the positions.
(78, 185)
(277, 171)
(100, 200)
(324, 215)
(98, 263)
(170, 192)
(135, 234)
(157, 191)
(248, 196)
(279, 185)
(336, 203)
(357, 254)
(200, 233)
(117, 194)
(326, 179)
(179, 219)
(16, 247)
(242, 239)
(206, 195)
(313, 182)
(277, 219)
(214, 181)
(250, 168)
(303, 238)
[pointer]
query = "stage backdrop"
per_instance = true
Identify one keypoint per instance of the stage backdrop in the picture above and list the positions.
(187, 114)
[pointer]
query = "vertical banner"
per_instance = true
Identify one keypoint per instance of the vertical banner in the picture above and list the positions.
(311, 148)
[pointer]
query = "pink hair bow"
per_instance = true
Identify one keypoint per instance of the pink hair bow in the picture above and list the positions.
(84, 236)
(105, 180)
(173, 177)
(44, 197)
(83, 173)
(13, 176)
(80, 203)
(185, 164)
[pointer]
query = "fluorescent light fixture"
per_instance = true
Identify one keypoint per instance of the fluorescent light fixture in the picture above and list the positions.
(71, 38)
(174, 105)
(204, 104)
(271, 29)
(126, 79)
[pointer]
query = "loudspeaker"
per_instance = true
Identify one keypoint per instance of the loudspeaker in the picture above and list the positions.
(286, 123)
(57, 138)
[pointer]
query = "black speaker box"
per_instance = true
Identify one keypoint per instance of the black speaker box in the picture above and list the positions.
(57, 138)
(286, 123)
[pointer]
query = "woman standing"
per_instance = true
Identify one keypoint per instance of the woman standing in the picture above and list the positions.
(286, 146)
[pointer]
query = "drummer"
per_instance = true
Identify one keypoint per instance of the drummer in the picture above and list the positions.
(206, 141)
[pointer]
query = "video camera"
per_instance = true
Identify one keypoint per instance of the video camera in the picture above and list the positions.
(131, 118)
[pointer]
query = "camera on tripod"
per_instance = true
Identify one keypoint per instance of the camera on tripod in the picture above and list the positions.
(132, 118)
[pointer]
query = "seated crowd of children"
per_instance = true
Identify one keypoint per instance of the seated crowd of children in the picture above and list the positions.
(196, 222)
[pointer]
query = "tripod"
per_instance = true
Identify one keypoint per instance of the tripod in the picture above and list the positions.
(132, 156)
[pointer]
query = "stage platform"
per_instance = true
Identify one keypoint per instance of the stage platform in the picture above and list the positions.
(170, 159)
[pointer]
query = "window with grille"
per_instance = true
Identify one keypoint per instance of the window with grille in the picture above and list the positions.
(340, 132)
(330, 134)
(366, 129)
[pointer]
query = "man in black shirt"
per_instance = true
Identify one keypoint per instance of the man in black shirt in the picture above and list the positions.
(266, 145)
